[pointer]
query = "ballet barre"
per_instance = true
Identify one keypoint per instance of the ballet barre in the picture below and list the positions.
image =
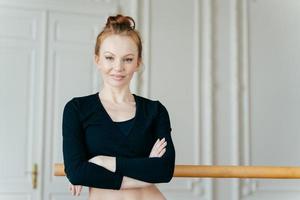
(229, 171)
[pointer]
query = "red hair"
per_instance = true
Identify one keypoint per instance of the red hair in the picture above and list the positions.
(120, 25)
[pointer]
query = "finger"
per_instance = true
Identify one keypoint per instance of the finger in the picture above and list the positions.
(162, 153)
(159, 146)
(72, 189)
(156, 143)
(77, 190)
(162, 146)
(161, 142)
(80, 189)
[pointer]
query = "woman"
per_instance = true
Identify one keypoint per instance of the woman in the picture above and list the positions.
(114, 142)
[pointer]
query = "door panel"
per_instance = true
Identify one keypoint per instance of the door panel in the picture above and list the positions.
(20, 102)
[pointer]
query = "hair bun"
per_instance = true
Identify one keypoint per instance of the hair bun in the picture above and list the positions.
(119, 25)
(120, 22)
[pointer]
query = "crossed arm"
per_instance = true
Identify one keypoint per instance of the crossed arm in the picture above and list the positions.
(116, 172)
(109, 163)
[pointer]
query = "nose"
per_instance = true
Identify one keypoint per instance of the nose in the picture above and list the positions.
(118, 65)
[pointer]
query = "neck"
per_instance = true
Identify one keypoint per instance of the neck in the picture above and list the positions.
(116, 95)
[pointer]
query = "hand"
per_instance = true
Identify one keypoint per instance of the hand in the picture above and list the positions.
(107, 162)
(97, 160)
(75, 189)
(158, 148)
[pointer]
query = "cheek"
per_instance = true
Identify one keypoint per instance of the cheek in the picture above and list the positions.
(131, 70)
(132, 67)
(104, 66)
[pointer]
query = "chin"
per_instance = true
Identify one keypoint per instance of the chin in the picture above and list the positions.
(118, 84)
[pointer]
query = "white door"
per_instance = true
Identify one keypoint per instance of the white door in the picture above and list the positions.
(21, 108)
(46, 57)
(70, 72)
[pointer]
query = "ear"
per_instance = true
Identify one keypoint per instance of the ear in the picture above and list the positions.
(139, 62)
(96, 59)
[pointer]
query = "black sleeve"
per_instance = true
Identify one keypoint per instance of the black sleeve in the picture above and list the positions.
(78, 169)
(152, 170)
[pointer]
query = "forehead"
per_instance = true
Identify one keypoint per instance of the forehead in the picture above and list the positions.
(119, 45)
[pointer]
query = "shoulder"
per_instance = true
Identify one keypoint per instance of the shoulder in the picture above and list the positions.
(81, 104)
(153, 105)
(144, 100)
(157, 110)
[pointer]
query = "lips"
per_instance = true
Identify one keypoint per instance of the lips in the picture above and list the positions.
(118, 77)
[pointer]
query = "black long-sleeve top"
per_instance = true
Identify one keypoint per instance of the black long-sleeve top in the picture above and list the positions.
(88, 131)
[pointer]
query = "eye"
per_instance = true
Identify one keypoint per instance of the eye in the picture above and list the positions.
(110, 58)
(128, 60)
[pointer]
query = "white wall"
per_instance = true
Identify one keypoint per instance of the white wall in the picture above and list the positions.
(232, 87)
(225, 69)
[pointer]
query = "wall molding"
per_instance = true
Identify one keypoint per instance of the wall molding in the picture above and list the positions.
(249, 187)
(204, 86)
(91, 7)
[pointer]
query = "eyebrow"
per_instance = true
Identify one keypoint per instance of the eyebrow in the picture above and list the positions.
(123, 56)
